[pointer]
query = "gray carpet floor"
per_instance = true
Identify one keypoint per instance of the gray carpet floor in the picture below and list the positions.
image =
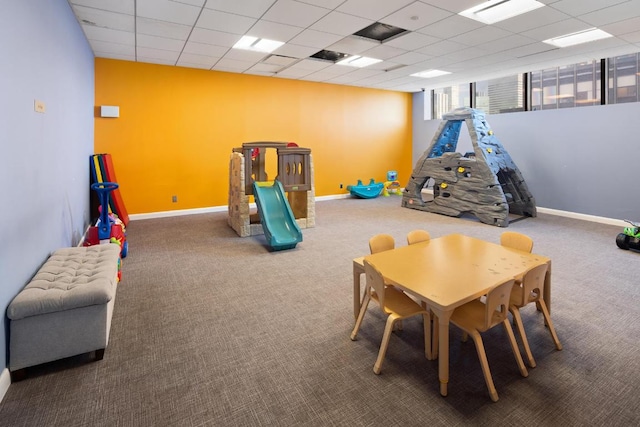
(210, 329)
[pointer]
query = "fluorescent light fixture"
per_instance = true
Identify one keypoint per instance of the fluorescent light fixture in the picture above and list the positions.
(257, 45)
(584, 36)
(430, 73)
(358, 61)
(492, 11)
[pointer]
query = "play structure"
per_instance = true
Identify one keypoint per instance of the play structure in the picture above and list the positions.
(285, 205)
(370, 191)
(485, 182)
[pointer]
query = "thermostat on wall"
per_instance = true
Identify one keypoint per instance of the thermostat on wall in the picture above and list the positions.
(109, 111)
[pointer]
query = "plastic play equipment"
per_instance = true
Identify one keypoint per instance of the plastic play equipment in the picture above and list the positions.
(108, 229)
(247, 166)
(391, 185)
(485, 182)
(278, 222)
(366, 191)
(630, 237)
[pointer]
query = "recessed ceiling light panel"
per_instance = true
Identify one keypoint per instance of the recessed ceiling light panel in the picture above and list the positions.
(430, 74)
(257, 44)
(492, 11)
(572, 39)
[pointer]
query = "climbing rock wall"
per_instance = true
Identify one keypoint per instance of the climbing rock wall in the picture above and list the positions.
(485, 183)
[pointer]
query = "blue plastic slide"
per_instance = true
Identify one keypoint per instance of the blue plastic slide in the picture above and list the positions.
(278, 222)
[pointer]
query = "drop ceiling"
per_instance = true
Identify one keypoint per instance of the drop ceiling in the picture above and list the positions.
(200, 34)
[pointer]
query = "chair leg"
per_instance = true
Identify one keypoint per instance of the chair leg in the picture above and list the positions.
(363, 309)
(384, 344)
(517, 319)
(477, 339)
(514, 347)
(547, 317)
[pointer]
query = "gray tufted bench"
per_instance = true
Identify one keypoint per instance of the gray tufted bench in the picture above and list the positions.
(66, 308)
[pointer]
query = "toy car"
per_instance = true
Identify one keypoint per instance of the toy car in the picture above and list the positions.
(630, 237)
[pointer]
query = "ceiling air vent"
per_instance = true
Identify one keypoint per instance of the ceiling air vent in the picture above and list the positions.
(380, 32)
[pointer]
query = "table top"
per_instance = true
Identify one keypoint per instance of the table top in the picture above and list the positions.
(451, 270)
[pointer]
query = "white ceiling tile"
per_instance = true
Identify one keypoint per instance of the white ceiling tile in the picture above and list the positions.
(466, 54)
(251, 8)
(623, 27)
(227, 64)
(162, 43)
(410, 58)
(454, 6)
(415, 16)
(166, 55)
(153, 27)
(481, 36)
(119, 6)
(295, 51)
(109, 35)
(327, 4)
(191, 58)
(313, 38)
(341, 23)
(310, 65)
(167, 10)
(198, 3)
(102, 18)
(288, 11)
(383, 52)
(441, 48)
(534, 19)
(225, 22)
(264, 68)
(616, 13)
(372, 10)
(245, 55)
(202, 35)
(152, 60)
(293, 73)
(450, 27)
(353, 45)
(556, 29)
(528, 50)
(116, 48)
(186, 64)
(274, 31)
(580, 7)
(282, 61)
(205, 49)
(633, 37)
(507, 43)
(412, 41)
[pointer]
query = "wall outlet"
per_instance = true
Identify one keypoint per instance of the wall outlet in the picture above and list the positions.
(174, 199)
(340, 185)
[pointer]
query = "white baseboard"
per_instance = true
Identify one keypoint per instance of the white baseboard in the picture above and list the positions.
(5, 382)
(583, 217)
(574, 215)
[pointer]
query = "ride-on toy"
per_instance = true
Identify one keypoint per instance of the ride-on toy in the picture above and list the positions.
(630, 237)
(108, 228)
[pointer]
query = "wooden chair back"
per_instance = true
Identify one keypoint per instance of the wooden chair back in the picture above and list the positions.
(375, 281)
(381, 242)
(532, 286)
(515, 240)
(417, 236)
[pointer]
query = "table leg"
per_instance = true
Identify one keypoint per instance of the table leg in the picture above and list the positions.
(443, 350)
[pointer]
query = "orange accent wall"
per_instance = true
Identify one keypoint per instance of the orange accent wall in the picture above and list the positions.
(177, 127)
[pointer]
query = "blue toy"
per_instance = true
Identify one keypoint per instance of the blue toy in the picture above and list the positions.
(366, 191)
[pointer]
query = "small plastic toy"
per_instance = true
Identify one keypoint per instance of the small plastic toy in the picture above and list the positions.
(108, 228)
(630, 237)
(366, 191)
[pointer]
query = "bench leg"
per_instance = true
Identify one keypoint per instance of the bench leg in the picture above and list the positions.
(99, 354)
(18, 375)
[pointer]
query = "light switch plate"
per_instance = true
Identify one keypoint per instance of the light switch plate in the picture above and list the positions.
(38, 106)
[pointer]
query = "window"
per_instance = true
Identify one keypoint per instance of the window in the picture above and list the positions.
(449, 98)
(623, 79)
(503, 95)
(575, 85)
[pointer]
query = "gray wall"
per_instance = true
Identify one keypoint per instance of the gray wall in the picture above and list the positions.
(576, 159)
(44, 165)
